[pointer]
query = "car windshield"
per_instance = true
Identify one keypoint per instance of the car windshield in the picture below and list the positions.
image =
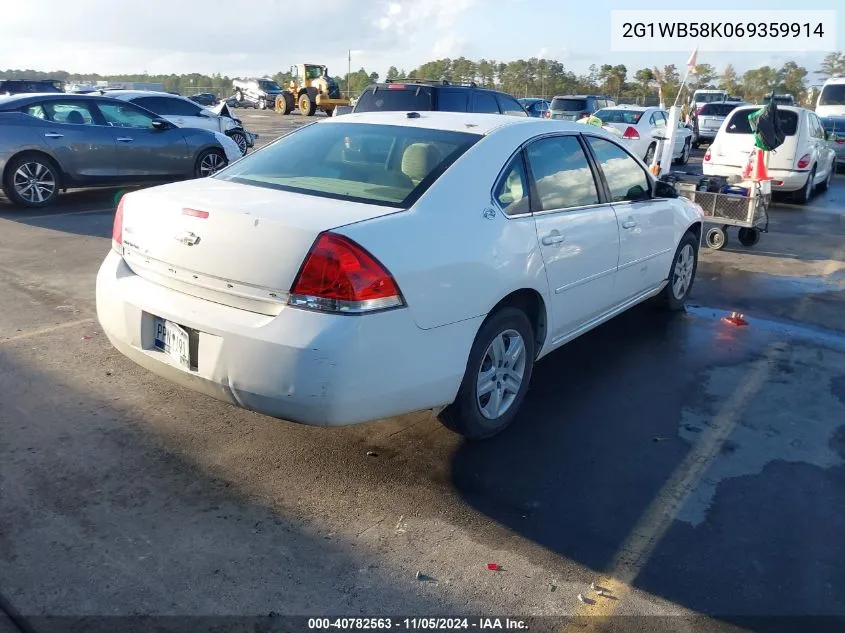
(265, 84)
(718, 109)
(832, 94)
(709, 97)
(390, 165)
(395, 97)
(620, 116)
(740, 124)
(562, 104)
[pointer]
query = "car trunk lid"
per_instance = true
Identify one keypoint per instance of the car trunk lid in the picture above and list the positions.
(227, 242)
(735, 141)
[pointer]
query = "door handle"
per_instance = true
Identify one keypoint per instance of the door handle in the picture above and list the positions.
(53, 135)
(552, 239)
(629, 224)
(124, 139)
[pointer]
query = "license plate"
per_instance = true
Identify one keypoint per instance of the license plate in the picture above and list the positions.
(173, 341)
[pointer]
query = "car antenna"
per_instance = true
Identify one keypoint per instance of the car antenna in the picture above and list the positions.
(413, 115)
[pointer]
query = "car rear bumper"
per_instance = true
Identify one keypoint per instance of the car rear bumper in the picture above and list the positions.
(306, 367)
(782, 179)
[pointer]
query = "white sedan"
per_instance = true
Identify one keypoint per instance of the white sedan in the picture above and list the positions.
(414, 261)
(641, 127)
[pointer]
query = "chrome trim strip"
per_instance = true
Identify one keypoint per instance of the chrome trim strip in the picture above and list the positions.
(571, 209)
(581, 282)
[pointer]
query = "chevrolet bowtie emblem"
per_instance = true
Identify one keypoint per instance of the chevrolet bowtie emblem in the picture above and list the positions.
(187, 238)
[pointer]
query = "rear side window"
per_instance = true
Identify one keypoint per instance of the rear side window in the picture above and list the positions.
(395, 98)
(625, 178)
(73, 112)
(739, 123)
(512, 190)
(485, 103)
(452, 100)
(389, 165)
(510, 106)
(562, 175)
(568, 105)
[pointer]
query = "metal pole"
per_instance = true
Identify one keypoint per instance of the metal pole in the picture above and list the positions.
(349, 76)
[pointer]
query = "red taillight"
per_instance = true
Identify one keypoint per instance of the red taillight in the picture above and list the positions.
(803, 161)
(840, 140)
(707, 156)
(631, 134)
(117, 229)
(338, 275)
(195, 213)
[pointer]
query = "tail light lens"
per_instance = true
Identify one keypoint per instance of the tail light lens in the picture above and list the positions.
(804, 161)
(340, 276)
(117, 229)
(631, 133)
(707, 156)
(698, 110)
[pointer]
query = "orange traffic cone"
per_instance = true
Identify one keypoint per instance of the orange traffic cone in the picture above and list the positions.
(760, 171)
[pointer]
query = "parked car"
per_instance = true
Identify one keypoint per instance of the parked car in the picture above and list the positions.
(305, 299)
(710, 119)
(259, 93)
(204, 98)
(575, 107)
(831, 101)
(52, 142)
(30, 86)
(704, 96)
(183, 112)
(535, 107)
(804, 161)
(641, 127)
(834, 127)
(445, 96)
(341, 110)
(780, 99)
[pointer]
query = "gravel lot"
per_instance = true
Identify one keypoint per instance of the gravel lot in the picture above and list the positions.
(699, 465)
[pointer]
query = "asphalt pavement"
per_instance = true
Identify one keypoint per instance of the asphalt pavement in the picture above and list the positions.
(692, 468)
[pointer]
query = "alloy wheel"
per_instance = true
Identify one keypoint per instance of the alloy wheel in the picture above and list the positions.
(501, 374)
(682, 277)
(34, 182)
(211, 163)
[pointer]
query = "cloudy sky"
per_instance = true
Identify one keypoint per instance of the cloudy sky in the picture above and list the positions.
(257, 37)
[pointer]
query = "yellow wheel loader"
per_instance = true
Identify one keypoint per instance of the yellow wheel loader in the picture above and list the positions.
(310, 89)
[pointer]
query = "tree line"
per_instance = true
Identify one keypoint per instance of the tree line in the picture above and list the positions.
(531, 77)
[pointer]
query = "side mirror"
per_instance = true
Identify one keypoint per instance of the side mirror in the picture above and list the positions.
(161, 124)
(664, 190)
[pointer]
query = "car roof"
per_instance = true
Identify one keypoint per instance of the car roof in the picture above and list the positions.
(582, 96)
(468, 122)
(835, 80)
(757, 106)
(131, 94)
(631, 107)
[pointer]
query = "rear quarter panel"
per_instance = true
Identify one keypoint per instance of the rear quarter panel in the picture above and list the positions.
(19, 134)
(451, 262)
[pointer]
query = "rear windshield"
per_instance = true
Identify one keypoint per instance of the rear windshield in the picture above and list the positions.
(620, 116)
(832, 94)
(718, 109)
(741, 125)
(568, 105)
(834, 124)
(390, 165)
(395, 98)
(709, 97)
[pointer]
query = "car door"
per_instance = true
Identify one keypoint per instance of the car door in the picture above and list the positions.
(577, 232)
(144, 151)
(821, 149)
(83, 145)
(646, 224)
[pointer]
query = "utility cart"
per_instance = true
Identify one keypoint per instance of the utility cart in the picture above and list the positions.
(743, 204)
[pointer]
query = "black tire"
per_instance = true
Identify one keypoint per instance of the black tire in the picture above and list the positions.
(716, 238)
(803, 195)
(826, 184)
(685, 153)
(307, 105)
(681, 275)
(32, 180)
(240, 138)
(285, 103)
(748, 236)
(464, 415)
(328, 111)
(649, 154)
(203, 167)
(262, 103)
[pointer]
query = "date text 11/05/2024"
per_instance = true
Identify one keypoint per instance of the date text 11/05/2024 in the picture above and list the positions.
(415, 624)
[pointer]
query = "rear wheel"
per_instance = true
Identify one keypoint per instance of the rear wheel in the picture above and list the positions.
(748, 236)
(498, 371)
(32, 180)
(209, 162)
(826, 184)
(803, 195)
(685, 153)
(307, 106)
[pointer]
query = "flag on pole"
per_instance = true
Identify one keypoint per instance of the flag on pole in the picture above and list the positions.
(692, 61)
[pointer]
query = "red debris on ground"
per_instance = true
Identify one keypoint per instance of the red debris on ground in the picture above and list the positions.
(494, 567)
(735, 319)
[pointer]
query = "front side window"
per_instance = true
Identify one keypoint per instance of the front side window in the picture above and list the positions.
(389, 165)
(269, 86)
(125, 115)
(512, 191)
(816, 127)
(625, 178)
(561, 173)
(510, 106)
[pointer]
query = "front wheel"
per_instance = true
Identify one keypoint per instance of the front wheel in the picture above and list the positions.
(803, 195)
(209, 162)
(716, 238)
(498, 371)
(685, 153)
(649, 154)
(307, 106)
(240, 139)
(681, 275)
(262, 103)
(826, 184)
(748, 236)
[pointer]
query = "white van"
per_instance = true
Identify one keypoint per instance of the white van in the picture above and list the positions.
(804, 161)
(831, 101)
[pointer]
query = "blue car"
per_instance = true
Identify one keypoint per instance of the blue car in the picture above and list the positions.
(536, 107)
(834, 127)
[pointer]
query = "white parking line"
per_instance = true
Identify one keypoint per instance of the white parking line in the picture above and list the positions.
(45, 330)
